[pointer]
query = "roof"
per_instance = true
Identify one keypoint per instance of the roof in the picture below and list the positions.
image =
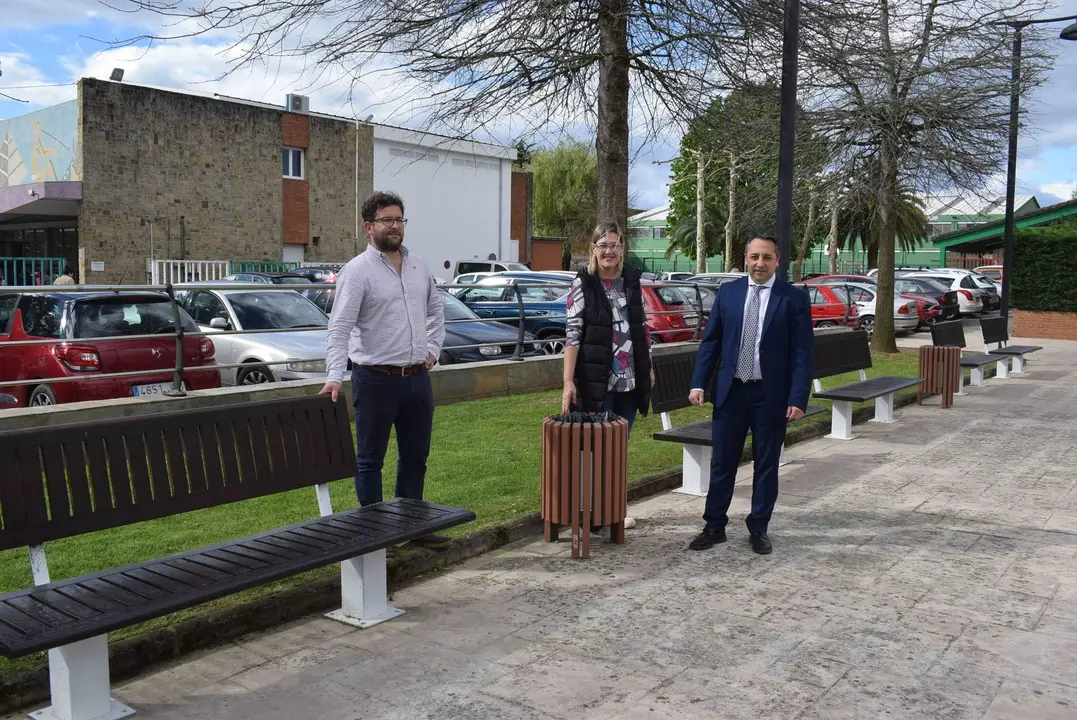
(658, 213)
(944, 205)
(989, 236)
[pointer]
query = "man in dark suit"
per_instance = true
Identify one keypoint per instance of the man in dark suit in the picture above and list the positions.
(759, 337)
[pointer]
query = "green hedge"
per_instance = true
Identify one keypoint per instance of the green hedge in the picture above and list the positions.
(1045, 268)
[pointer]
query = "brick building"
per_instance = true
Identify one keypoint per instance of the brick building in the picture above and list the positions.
(126, 173)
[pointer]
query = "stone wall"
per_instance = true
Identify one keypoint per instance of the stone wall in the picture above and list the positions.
(1050, 325)
(208, 174)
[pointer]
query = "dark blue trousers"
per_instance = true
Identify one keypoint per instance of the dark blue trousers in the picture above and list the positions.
(745, 408)
(383, 402)
(623, 404)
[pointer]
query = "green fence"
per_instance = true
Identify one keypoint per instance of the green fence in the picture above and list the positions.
(30, 270)
(254, 266)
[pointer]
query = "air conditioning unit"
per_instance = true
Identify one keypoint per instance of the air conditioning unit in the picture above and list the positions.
(298, 104)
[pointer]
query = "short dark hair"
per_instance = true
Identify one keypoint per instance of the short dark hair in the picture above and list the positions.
(379, 201)
(769, 238)
(68, 270)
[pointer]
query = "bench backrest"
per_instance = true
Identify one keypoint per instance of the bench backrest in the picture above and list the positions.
(995, 330)
(948, 334)
(835, 353)
(77, 478)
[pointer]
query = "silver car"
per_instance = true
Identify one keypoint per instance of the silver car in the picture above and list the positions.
(294, 351)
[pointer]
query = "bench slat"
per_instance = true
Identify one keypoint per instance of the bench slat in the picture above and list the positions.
(21, 634)
(975, 360)
(699, 433)
(1015, 350)
(868, 389)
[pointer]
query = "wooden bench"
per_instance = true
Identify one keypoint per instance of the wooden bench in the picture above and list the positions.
(996, 332)
(673, 382)
(78, 478)
(952, 334)
(839, 353)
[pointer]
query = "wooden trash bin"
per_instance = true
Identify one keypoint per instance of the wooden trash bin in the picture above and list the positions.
(584, 477)
(940, 367)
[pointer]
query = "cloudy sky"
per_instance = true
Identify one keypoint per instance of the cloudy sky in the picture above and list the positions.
(46, 45)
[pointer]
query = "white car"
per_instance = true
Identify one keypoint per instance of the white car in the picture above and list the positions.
(970, 295)
(674, 275)
(471, 278)
(714, 278)
(298, 354)
(906, 317)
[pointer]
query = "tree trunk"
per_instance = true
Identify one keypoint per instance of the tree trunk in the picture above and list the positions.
(701, 244)
(832, 250)
(805, 240)
(873, 250)
(882, 339)
(731, 215)
(612, 138)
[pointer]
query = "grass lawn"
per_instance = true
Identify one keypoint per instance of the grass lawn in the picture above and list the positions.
(485, 457)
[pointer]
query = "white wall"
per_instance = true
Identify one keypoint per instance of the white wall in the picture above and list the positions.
(456, 194)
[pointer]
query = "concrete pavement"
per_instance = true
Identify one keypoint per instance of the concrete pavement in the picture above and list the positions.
(927, 569)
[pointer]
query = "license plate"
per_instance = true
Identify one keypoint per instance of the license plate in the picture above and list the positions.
(152, 389)
(691, 318)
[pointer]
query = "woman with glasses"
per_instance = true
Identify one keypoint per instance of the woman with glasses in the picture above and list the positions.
(608, 348)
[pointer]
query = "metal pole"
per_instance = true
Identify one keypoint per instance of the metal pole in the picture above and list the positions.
(1011, 173)
(787, 136)
(517, 353)
(701, 255)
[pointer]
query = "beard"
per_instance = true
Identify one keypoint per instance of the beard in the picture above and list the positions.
(389, 241)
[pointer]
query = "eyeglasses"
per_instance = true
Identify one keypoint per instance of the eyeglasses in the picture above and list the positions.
(603, 247)
(392, 221)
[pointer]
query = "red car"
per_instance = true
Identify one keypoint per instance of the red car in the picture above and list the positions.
(833, 279)
(830, 306)
(78, 321)
(671, 314)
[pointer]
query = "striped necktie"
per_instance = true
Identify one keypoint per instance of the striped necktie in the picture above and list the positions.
(746, 359)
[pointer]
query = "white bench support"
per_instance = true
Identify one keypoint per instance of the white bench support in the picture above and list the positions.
(78, 672)
(1018, 364)
(841, 420)
(884, 409)
(1002, 368)
(364, 590)
(977, 377)
(961, 382)
(695, 470)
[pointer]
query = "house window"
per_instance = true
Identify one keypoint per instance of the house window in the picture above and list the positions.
(291, 160)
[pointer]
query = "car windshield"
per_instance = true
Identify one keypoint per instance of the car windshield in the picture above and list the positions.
(119, 316)
(456, 310)
(290, 280)
(672, 296)
(517, 267)
(267, 310)
(840, 294)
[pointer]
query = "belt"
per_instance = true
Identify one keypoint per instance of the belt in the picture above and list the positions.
(396, 369)
(748, 382)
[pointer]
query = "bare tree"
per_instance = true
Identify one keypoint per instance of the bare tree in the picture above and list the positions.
(921, 88)
(465, 66)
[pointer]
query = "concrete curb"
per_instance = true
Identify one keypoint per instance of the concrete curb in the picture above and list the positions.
(133, 656)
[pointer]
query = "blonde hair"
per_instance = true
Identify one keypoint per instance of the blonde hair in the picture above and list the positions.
(601, 231)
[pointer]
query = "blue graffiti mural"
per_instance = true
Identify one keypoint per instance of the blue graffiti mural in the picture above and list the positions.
(41, 146)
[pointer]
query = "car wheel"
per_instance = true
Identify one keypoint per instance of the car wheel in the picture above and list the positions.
(656, 339)
(867, 324)
(553, 347)
(42, 396)
(254, 375)
(827, 324)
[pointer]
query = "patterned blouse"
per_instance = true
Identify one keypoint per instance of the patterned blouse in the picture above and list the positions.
(623, 372)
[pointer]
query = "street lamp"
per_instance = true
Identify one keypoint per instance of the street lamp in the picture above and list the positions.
(787, 135)
(1069, 33)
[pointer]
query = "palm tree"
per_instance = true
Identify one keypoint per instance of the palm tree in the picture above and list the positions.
(683, 239)
(858, 217)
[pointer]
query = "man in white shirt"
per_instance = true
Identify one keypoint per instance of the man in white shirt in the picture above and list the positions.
(388, 320)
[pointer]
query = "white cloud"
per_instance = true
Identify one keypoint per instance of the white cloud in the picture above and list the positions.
(18, 73)
(1063, 190)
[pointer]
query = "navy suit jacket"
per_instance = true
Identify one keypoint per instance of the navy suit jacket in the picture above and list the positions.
(785, 351)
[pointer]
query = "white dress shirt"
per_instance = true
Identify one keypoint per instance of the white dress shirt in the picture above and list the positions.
(764, 299)
(380, 317)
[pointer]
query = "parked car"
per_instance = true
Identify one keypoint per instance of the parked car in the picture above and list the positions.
(991, 272)
(899, 271)
(674, 275)
(268, 278)
(831, 306)
(470, 278)
(317, 273)
(300, 353)
(931, 293)
(672, 314)
(467, 267)
(464, 327)
(906, 318)
(970, 296)
(714, 278)
(8, 401)
(544, 301)
(78, 321)
(838, 279)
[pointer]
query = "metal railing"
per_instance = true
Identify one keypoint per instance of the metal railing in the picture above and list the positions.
(522, 346)
(30, 270)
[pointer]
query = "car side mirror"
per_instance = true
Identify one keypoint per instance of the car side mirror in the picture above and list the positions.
(220, 323)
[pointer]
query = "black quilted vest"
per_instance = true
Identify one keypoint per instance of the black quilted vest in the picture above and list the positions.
(595, 361)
